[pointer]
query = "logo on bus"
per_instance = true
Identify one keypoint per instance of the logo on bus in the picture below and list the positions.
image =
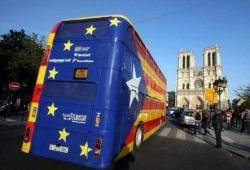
(62, 149)
(75, 118)
(82, 51)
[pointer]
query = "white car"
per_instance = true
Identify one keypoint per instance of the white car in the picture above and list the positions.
(187, 118)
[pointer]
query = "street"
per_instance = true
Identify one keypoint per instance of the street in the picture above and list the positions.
(172, 147)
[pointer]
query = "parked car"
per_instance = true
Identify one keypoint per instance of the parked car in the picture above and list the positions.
(187, 118)
(5, 108)
(178, 112)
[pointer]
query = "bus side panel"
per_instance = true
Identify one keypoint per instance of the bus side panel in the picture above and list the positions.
(150, 108)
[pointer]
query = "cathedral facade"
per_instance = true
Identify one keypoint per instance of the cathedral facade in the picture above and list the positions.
(192, 81)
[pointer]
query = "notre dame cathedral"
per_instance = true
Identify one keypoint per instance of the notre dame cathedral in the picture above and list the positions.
(192, 81)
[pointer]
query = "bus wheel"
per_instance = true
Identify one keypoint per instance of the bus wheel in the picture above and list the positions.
(138, 139)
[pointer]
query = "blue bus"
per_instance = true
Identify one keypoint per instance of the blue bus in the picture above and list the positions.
(99, 94)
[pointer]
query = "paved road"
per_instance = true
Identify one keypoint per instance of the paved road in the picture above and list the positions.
(170, 148)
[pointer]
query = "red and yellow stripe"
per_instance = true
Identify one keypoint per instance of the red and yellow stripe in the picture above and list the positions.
(152, 115)
(38, 87)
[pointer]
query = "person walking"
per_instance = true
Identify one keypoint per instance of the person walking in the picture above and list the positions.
(247, 120)
(228, 117)
(217, 122)
(243, 125)
(205, 118)
(234, 119)
(198, 118)
(212, 113)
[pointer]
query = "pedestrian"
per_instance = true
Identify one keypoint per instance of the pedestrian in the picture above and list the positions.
(212, 113)
(198, 118)
(228, 117)
(234, 119)
(217, 121)
(247, 120)
(205, 118)
(243, 125)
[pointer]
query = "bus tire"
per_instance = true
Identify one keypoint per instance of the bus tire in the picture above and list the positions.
(138, 139)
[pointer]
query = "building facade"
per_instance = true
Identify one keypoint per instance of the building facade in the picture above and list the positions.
(192, 81)
(171, 99)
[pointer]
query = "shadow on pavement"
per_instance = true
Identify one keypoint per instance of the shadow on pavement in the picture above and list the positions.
(156, 153)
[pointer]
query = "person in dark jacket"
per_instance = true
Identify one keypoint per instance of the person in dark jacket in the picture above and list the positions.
(247, 120)
(217, 121)
(205, 118)
(198, 118)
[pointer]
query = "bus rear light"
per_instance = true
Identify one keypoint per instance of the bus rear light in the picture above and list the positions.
(37, 93)
(34, 112)
(28, 134)
(98, 144)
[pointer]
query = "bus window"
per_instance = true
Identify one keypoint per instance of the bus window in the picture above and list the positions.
(75, 28)
(126, 64)
(75, 90)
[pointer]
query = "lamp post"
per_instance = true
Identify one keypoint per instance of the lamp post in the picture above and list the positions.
(219, 86)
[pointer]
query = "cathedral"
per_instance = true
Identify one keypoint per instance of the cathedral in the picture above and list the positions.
(192, 81)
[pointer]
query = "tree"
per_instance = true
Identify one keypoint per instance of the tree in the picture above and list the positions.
(20, 56)
(244, 93)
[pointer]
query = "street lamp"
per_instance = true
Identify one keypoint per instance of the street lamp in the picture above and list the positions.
(219, 86)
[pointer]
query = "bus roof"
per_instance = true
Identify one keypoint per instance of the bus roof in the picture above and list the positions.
(99, 17)
(116, 15)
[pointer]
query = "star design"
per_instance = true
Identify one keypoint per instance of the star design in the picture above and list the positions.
(67, 45)
(133, 85)
(63, 134)
(114, 22)
(90, 30)
(52, 109)
(85, 150)
(52, 73)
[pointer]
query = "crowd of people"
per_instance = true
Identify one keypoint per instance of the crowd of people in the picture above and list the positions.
(221, 119)
(230, 119)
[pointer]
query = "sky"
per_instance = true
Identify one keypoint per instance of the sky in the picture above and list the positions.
(165, 26)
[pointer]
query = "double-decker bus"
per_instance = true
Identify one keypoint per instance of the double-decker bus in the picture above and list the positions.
(99, 94)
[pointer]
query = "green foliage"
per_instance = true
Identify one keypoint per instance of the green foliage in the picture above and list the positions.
(244, 93)
(20, 55)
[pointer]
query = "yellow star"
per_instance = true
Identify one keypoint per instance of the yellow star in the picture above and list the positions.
(85, 150)
(52, 109)
(90, 30)
(63, 134)
(67, 45)
(52, 73)
(114, 22)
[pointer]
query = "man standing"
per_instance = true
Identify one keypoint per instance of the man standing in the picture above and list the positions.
(217, 121)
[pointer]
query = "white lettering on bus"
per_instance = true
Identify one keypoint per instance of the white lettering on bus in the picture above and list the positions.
(76, 118)
(62, 149)
(55, 60)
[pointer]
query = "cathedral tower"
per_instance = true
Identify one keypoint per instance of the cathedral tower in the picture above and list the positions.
(192, 81)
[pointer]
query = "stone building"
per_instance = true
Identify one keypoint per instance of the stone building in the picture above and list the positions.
(171, 99)
(192, 81)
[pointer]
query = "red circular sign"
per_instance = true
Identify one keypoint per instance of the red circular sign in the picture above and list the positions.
(14, 86)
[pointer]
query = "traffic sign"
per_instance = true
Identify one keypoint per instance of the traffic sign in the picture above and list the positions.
(14, 86)
(210, 96)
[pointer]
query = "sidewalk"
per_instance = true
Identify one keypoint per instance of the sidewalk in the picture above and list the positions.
(232, 140)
